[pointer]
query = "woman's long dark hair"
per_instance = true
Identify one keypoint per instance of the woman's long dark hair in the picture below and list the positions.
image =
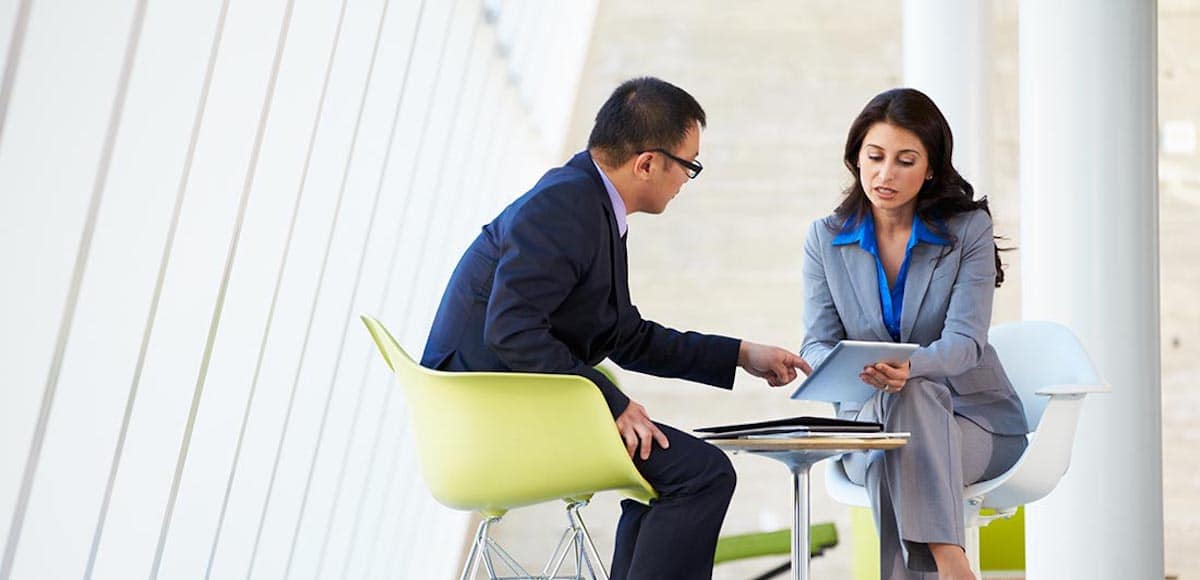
(945, 195)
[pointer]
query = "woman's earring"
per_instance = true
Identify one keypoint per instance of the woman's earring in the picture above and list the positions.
(928, 177)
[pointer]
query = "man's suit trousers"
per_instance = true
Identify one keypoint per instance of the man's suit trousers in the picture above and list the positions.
(675, 537)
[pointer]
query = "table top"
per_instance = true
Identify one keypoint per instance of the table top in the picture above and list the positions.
(811, 443)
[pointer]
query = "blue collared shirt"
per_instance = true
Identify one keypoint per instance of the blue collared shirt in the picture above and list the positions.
(891, 299)
(615, 199)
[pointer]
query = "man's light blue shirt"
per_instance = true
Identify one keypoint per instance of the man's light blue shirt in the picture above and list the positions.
(891, 300)
(614, 197)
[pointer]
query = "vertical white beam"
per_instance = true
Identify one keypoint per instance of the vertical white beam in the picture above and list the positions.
(46, 235)
(247, 317)
(946, 56)
(338, 462)
(116, 293)
(326, 204)
(1089, 253)
(14, 18)
(325, 394)
(154, 438)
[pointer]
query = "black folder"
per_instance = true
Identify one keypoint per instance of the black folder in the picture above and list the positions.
(790, 425)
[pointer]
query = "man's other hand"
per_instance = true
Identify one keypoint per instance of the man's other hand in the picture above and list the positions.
(777, 365)
(638, 430)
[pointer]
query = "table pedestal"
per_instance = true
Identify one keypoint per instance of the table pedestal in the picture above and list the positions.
(799, 454)
(801, 543)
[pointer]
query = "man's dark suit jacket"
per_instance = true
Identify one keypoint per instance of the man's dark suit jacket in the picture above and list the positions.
(544, 288)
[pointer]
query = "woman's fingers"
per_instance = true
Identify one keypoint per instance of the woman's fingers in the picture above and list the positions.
(879, 380)
(894, 377)
(872, 379)
(893, 373)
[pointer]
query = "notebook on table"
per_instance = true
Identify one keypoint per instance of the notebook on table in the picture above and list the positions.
(790, 427)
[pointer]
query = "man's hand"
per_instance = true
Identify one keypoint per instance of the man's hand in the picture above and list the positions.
(886, 377)
(637, 429)
(776, 365)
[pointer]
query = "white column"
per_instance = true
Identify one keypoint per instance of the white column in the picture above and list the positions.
(946, 56)
(1089, 256)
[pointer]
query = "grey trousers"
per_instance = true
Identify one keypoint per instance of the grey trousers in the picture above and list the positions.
(917, 490)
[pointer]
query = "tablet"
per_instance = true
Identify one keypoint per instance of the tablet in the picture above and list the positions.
(836, 378)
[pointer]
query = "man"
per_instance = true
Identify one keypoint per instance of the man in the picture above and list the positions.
(544, 288)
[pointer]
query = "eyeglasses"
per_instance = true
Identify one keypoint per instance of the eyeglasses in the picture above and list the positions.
(693, 168)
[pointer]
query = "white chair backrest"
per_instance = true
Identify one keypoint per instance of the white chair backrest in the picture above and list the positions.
(1038, 354)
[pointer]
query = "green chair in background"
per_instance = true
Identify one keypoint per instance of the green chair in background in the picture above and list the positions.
(742, 546)
(1001, 546)
(492, 442)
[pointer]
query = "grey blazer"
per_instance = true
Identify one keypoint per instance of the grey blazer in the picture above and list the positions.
(947, 310)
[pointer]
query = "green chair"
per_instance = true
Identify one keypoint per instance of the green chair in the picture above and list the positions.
(742, 546)
(491, 442)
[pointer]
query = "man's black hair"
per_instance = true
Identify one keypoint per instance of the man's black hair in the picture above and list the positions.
(643, 113)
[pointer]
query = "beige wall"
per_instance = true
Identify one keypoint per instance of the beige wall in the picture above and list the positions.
(1179, 218)
(781, 82)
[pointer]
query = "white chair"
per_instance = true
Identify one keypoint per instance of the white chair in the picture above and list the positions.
(1051, 373)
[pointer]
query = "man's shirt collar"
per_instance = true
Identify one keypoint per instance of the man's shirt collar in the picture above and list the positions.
(617, 203)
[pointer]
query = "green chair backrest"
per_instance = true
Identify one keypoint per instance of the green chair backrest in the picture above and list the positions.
(493, 441)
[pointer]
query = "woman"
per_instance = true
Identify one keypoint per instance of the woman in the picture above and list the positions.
(908, 256)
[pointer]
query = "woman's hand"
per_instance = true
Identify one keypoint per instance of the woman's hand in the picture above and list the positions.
(886, 377)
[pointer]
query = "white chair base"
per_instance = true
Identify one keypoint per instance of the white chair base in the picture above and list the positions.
(575, 541)
(975, 521)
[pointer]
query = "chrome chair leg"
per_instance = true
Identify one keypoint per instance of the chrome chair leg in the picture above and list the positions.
(486, 550)
(560, 556)
(487, 563)
(591, 569)
(599, 572)
(470, 567)
(576, 537)
(579, 559)
(513, 566)
(564, 545)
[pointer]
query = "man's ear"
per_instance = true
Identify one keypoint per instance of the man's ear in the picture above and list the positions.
(642, 165)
